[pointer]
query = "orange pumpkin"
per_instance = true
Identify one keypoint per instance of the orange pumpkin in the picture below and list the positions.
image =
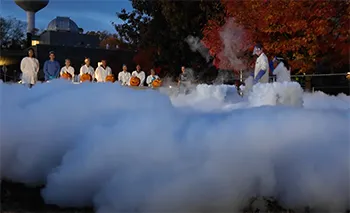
(348, 76)
(157, 83)
(110, 78)
(66, 75)
(85, 77)
(134, 81)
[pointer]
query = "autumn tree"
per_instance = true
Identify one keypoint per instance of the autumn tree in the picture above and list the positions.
(306, 32)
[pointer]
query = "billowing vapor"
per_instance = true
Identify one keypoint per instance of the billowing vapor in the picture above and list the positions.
(234, 41)
(196, 45)
(126, 150)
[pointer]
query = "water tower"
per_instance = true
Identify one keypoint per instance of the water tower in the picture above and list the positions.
(31, 7)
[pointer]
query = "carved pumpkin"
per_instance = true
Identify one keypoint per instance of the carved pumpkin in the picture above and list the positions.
(85, 77)
(157, 83)
(348, 76)
(134, 81)
(110, 78)
(66, 75)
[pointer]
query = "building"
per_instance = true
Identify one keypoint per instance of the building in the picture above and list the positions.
(63, 31)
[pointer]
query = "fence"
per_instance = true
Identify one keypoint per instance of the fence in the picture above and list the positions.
(332, 84)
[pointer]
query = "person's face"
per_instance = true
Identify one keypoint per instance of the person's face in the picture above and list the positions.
(138, 67)
(182, 69)
(30, 53)
(52, 56)
(104, 63)
(152, 72)
(87, 62)
(67, 63)
(125, 68)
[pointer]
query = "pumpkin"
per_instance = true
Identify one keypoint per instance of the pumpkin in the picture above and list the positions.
(110, 78)
(134, 81)
(66, 75)
(157, 83)
(348, 76)
(85, 77)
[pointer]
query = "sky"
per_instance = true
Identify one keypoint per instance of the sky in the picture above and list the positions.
(91, 15)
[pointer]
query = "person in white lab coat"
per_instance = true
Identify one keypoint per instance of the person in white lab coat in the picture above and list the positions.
(67, 69)
(282, 70)
(30, 69)
(261, 70)
(151, 78)
(124, 76)
(102, 71)
(86, 68)
(140, 74)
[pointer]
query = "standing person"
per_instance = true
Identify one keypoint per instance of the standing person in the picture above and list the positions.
(261, 70)
(184, 81)
(68, 69)
(51, 67)
(282, 70)
(102, 71)
(151, 78)
(140, 74)
(30, 69)
(86, 68)
(124, 76)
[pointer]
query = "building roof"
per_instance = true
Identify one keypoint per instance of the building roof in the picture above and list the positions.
(63, 24)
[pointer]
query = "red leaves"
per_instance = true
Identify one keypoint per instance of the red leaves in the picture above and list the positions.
(307, 29)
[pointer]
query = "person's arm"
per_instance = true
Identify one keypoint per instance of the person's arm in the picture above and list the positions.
(262, 71)
(62, 70)
(149, 80)
(23, 65)
(38, 66)
(119, 77)
(46, 73)
(109, 71)
(57, 69)
(72, 71)
(142, 80)
(81, 71)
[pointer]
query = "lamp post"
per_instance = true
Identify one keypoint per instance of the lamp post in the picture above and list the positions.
(4, 70)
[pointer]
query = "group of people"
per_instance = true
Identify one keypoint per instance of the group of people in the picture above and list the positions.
(278, 66)
(52, 70)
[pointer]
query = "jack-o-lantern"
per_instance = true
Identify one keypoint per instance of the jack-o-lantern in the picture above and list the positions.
(134, 81)
(157, 83)
(66, 75)
(348, 76)
(85, 77)
(110, 78)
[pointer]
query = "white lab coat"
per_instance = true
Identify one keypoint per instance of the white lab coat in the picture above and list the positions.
(87, 69)
(124, 78)
(149, 79)
(141, 75)
(30, 69)
(262, 63)
(282, 74)
(101, 73)
(69, 70)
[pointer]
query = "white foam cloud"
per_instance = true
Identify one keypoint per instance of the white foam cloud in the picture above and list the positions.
(122, 150)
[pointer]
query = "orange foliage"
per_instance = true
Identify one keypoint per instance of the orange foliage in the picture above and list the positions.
(304, 31)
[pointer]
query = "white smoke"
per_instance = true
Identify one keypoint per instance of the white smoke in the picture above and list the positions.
(196, 45)
(124, 150)
(234, 41)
